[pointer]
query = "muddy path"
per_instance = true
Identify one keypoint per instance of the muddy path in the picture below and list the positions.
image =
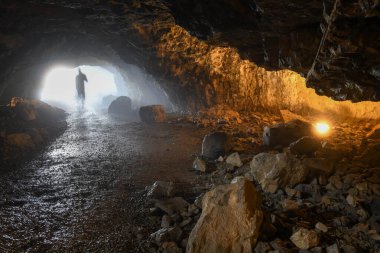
(85, 193)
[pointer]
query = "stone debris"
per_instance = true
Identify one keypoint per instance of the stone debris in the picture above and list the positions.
(322, 227)
(234, 160)
(152, 114)
(305, 238)
(234, 206)
(310, 198)
(161, 189)
(214, 145)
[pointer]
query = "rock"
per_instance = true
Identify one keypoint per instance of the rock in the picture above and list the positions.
(198, 200)
(171, 247)
(172, 205)
(107, 100)
(214, 145)
(316, 250)
(305, 146)
(238, 179)
(332, 249)
(185, 222)
(289, 204)
(161, 189)
(262, 247)
(349, 249)
(319, 166)
(234, 160)
(351, 200)
(122, 107)
(322, 227)
(167, 234)
(166, 221)
(370, 155)
(284, 134)
(305, 238)
(230, 220)
(152, 114)
(277, 170)
(200, 165)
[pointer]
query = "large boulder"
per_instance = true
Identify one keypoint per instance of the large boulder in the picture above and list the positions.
(152, 114)
(285, 133)
(122, 107)
(230, 220)
(214, 145)
(275, 171)
(35, 110)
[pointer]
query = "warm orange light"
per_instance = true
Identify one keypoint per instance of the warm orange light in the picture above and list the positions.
(322, 128)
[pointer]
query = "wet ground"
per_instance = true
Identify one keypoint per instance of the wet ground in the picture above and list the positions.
(85, 192)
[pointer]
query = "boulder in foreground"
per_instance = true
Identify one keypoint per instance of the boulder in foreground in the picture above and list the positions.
(152, 114)
(230, 220)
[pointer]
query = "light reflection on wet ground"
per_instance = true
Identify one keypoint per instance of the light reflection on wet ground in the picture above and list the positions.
(85, 192)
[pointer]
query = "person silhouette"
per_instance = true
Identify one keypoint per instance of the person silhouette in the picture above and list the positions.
(80, 79)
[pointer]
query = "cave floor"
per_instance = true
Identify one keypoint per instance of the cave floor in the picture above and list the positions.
(85, 192)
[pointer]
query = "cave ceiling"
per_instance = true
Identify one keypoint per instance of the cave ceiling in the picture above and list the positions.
(334, 44)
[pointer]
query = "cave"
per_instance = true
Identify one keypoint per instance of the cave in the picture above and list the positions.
(190, 126)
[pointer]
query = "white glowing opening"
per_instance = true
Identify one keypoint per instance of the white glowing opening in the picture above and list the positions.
(322, 128)
(59, 86)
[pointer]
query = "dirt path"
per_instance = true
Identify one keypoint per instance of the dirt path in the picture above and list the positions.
(86, 191)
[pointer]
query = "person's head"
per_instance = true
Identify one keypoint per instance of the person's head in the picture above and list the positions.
(79, 71)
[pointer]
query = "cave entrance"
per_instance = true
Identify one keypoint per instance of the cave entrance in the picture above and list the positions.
(59, 86)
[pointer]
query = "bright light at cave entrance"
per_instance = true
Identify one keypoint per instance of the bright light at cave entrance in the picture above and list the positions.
(322, 128)
(59, 86)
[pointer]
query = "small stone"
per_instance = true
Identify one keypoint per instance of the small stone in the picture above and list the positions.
(161, 189)
(374, 235)
(172, 205)
(220, 159)
(289, 204)
(166, 221)
(305, 238)
(322, 227)
(234, 160)
(290, 192)
(170, 247)
(167, 234)
(262, 247)
(200, 165)
(198, 201)
(351, 200)
(185, 222)
(317, 250)
(332, 249)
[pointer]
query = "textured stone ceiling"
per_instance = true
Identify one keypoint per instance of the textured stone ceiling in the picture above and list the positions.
(335, 44)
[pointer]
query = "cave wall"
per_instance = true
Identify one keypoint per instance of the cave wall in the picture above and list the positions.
(246, 54)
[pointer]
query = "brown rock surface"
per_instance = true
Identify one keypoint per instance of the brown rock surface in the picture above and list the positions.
(230, 220)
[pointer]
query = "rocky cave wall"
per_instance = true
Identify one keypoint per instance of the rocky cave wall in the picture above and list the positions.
(248, 55)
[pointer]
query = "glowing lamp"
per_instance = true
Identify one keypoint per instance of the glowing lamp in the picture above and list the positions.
(322, 128)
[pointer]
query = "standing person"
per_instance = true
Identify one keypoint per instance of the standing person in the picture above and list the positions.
(80, 79)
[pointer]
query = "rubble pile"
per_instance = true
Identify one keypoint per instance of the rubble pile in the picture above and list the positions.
(311, 194)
